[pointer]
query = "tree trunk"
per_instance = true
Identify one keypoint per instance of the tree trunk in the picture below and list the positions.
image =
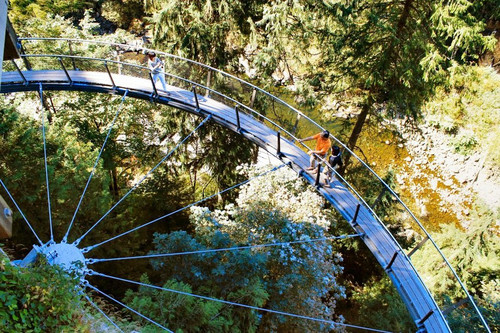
(356, 132)
(114, 184)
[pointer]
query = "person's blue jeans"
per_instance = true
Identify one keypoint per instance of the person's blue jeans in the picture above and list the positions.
(160, 76)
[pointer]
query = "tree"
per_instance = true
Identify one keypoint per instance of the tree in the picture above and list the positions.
(22, 170)
(212, 32)
(300, 279)
(21, 10)
(378, 54)
(294, 278)
(230, 275)
(474, 253)
(380, 306)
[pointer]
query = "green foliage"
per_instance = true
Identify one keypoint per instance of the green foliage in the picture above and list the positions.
(181, 313)
(21, 10)
(23, 170)
(298, 279)
(474, 253)
(41, 298)
(208, 31)
(123, 13)
(221, 151)
(228, 275)
(462, 32)
(465, 144)
(465, 318)
(469, 108)
(380, 306)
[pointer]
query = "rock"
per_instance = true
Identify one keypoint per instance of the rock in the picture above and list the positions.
(448, 182)
(455, 168)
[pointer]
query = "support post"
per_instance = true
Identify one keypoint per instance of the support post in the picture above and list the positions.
(27, 63)
(379, 197)
(238, 125)
(119, 62)
(71, 53)
(455, 305)
(65, 71)
(109, 73)
(278, 148)
(294, 129)
(318, 174)
(419, 245)
(3, 28)
(424, 318)
(19, 71)
(196, 98)
(252, 99)
(389, 265)
(355, 218)
(154, 85)
(209, 78)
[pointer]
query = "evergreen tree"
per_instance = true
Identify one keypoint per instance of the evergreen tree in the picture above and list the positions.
(475, 253)
(211, 31)
(377, 53)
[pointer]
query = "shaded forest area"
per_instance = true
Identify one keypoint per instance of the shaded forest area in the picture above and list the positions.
(358, 64)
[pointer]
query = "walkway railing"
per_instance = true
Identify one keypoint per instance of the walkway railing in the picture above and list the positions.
(75, 54)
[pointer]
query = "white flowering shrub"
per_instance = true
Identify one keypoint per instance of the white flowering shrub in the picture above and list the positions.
(299, 278)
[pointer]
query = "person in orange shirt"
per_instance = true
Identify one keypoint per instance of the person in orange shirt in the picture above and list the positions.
(323, 145)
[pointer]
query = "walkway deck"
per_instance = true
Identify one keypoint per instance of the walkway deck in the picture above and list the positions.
(419, 302)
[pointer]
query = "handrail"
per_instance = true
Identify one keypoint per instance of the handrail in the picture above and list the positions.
(280, 101)
(170, 75)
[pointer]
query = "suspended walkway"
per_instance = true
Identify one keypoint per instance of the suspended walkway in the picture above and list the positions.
(258, 116)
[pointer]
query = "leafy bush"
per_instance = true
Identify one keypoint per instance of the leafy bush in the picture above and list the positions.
(465, 143)
(41, 298)
(380, 306)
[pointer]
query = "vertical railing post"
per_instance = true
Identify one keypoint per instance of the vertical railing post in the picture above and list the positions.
(196, 98)
(109, 73)
(419, 245)
(27, 63)
(238, 125)
(278, 148)
(389, 265)
(421, 322)
(355, 218)
(209, 78)
(71, 53)
(119, 62)
(294, 129)
(19, 71)
(65, 71)
(153, 83)
(252, 99)
(318, 174)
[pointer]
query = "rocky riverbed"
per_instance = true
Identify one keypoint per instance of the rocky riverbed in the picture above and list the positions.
(438, 177)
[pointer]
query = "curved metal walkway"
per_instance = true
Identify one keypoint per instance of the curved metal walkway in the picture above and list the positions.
(258, 129)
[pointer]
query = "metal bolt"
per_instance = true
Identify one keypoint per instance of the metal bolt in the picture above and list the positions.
(7, 212)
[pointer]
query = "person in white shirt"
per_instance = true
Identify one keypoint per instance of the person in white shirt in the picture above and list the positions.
(156, 66)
